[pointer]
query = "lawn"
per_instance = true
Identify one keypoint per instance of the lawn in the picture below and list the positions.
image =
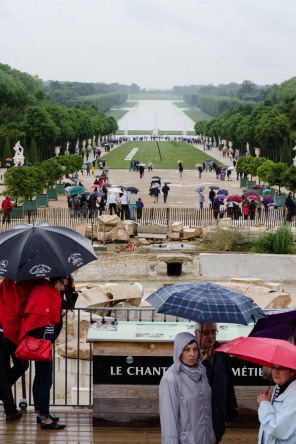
(170, 152)
(148, 132)
(116, 113)
(197, 115)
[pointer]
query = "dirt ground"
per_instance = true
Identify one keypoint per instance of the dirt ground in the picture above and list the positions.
(182, 189)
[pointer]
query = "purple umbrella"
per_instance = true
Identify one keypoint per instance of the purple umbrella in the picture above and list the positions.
(225, 192)
(276, 325)
(267, 200)
(221, 197)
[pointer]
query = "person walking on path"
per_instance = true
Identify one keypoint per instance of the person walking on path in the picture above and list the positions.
(156, 193)
(165, 190)
(180, 167)
(7, 209)
(219, 372)
(75, 205)
(141, 171)
(185, 397)
(201, 200)
(212, 195)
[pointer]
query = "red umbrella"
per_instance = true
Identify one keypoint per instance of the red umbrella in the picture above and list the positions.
(250, 193)
(9, 159)
(254, 197)
(234, 198)
(257, 187)
(95, 186)
(262, 351)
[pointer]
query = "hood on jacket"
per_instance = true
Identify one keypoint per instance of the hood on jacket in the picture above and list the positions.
(181, 340)
(7, 197)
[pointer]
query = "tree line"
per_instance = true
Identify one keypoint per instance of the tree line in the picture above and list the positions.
(271, 173)
(28, 115)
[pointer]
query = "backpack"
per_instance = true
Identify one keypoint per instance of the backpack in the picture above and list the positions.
(216, 204)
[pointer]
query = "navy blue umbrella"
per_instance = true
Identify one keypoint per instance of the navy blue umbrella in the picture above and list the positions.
(32, 252)
(205, 302)
(214, 187)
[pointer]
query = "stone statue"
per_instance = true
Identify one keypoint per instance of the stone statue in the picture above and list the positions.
(19, 150)
(248, 147)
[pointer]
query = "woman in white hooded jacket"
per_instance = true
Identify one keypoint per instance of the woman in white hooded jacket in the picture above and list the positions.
(277, 411)
(185, 397)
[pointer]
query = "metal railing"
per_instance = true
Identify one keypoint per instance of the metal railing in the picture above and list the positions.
(158, 215)
(24, 390)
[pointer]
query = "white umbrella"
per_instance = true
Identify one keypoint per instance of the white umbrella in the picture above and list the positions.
(231, 168)
(115, 190)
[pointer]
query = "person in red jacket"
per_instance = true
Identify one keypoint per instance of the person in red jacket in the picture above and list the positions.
(7, 208)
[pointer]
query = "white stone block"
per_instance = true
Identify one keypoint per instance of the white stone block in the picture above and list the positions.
(83, 396)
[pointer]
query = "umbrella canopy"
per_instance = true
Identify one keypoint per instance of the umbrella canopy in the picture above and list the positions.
(199, 189)
(257, 187)
(98, 177)
(220, 196)
(262, 351)
(225, 192)
(231, 168)
(166, 182)
(132, 189)
(234, 198)
(87, 163)
(114, 190)
(76, 190)
(32, 252)
(267, 190)
(198, 165)
(95, 186)
(254, 197)
(156, 177)
(9, 159)
(232, 204)
(250, 193)
(205, 302)
(28, 164)
(276, 325)
(67, 181)
(106, 184)
(214, 187)
(142, 164)
(98, 194)
(267, 200)
(85, 193)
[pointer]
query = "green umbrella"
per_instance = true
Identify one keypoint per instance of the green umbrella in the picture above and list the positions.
(76, 190)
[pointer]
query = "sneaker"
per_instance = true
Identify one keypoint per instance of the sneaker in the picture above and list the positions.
(52, 426)
(14, 416)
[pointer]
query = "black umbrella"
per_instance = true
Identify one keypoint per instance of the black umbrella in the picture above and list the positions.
(132, 189)
(86, 193)
(156, 177)
(32, 252)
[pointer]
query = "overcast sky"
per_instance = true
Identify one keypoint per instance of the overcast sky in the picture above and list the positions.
(154, 43)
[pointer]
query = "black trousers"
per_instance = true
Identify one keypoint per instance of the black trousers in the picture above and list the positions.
(9, 375)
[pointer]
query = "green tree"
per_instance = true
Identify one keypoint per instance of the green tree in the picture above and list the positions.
(7, 153)
(270, 131)
(264, 170)
(289, 178)
(286, 156)
(24, 182)
(53, 171)
(33, 157)
(275, 174)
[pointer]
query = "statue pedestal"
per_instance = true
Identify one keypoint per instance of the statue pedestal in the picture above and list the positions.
(294, 162)
(17, 159)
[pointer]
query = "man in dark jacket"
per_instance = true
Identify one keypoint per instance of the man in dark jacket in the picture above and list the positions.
(219, 373)
(290, 207)
(165, 190)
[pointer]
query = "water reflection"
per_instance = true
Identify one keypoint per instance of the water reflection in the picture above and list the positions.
(151, 114)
